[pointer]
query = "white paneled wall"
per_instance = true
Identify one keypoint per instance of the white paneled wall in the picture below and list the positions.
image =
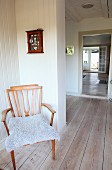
(38, 68)
(42, 68)
(9, 68)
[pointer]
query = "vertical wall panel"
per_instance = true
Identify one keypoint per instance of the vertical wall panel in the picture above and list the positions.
(61, 63)
(42, 68)
(9, 67)
(38, 68)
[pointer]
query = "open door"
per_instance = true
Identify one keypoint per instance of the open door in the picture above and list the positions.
(102, 59)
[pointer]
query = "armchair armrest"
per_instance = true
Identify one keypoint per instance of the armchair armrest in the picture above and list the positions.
(49, 107)
(4, 114)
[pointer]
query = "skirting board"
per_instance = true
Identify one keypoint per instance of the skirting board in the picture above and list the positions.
(94, 97)
(87, 96)
(72, 94)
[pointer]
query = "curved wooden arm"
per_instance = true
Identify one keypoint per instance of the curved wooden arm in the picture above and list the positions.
(4, 114)
(49, 107)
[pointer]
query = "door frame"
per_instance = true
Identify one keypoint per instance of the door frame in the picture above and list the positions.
(80, 52)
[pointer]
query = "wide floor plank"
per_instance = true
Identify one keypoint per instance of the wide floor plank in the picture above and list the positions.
(93, 156)
(35, 160)
(21, 155)
(70, 100)
(85, 144)
(108, 140)
(67, 137)
(4, 158)
(76, 150)
(75, 104)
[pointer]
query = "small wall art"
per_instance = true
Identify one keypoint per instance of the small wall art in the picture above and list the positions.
(70, 50)
(35, 41)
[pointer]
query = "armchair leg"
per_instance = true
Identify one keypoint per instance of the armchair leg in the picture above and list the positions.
(13, 159)
(53, 149)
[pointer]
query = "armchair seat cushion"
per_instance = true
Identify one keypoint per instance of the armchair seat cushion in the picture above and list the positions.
(29, 130)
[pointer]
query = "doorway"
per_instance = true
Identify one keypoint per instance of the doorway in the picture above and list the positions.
(91, 59)
(95, 59)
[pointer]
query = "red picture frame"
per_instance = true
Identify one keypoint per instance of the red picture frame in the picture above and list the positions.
(35, 41)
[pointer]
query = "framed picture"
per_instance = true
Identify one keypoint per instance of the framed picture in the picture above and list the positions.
(35, 41)
(70, 50)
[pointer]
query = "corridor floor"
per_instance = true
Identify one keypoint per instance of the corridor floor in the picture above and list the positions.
(92, 84)
(85, 143)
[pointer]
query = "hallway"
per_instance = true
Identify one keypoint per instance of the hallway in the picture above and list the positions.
(85, 144)
(95, 84)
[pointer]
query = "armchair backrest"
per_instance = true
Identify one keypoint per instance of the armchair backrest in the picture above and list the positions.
(25, 100)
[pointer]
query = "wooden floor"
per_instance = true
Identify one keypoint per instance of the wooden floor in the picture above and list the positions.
(86, 143)
(92, 86)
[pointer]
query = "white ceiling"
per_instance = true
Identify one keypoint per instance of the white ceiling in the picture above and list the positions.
(75, 12)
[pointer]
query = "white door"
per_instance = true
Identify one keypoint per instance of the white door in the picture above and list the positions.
(102, 59)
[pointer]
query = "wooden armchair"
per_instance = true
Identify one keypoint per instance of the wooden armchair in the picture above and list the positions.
(25, 104)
